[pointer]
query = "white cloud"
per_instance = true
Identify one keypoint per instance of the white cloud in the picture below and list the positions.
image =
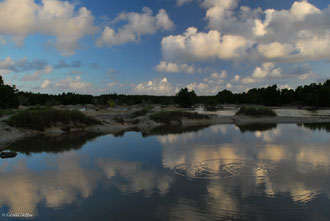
(158, 87)
(275, 50)
(303, 8)
(182, 2)
(217, 76)
(285, 86)
(194, 46)
(249, 80)
(236, 78)
(45, 84)
(73, 84)
(197, 87)
(218, 10)
(266, 70)
(170, 67)
(306, 75)
(300, 33)
(211, 85)
(20, 18)
(138, 24)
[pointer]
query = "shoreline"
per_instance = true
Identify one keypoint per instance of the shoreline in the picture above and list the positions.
(144, 124)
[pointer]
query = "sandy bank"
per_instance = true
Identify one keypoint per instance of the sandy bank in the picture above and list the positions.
(120, 119)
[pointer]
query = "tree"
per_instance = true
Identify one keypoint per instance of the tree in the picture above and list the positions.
(8, 96)
(185, 98)
(225, 97)
(1, 81)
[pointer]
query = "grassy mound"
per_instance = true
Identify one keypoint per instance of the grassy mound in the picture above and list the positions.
(168, 116)
(256, 111)
(42, 118)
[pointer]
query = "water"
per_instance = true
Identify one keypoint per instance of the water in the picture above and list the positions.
(256, 172)
(282, 112)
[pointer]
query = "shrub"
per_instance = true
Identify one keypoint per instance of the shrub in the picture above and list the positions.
(168, 116)
(41, 118)
(139, 113)
(256, 111)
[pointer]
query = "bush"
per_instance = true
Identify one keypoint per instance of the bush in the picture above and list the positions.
(168, 116)
(42, 118)
(139, 113)
(256, 111)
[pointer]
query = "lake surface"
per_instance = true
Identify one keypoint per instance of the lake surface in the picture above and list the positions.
(256, 172)
(281, 112)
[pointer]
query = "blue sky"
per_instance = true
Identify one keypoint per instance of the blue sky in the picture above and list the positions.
(159, 46)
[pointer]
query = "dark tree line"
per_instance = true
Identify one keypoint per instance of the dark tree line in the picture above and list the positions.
(317, 95)
(8, 96)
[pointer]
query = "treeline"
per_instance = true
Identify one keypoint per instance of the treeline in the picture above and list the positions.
(28, 99)
(316, 95)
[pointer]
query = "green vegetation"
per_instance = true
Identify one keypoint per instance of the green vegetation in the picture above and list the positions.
(256, 111)
(42, 118)
(186, 98)
(140, 113)
(169, 116)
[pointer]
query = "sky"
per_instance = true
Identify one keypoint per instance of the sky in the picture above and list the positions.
(157, 47)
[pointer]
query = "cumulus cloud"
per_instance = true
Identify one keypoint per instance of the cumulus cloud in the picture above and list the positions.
(195, 46)
(20, 18)
(266, 70)
(162, 87)
(170, 67)
(298, 34)
(275, 50)
(222, 75)
(211, 84)
(198, 87)
(75, 84)
(137, 24)
(236, 78)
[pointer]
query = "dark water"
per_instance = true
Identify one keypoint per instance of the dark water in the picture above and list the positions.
(255, 172)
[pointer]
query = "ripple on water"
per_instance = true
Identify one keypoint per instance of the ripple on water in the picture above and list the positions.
(223, 168)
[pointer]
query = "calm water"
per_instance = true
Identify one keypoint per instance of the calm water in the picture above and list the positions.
(256, 172)
(282, 112)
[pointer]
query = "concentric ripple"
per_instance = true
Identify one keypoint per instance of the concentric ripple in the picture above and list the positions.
(222, 168)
